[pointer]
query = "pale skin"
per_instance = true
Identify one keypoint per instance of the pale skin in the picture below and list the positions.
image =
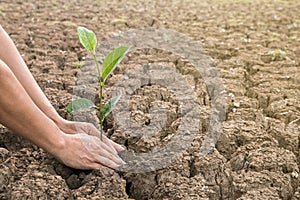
(25, 109)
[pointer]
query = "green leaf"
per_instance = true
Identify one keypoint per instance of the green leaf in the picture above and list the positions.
(79, 104)
(87, 38)
(119, 21)
(109, 106)
(112, 60)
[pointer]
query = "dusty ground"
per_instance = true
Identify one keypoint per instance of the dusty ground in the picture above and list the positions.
(257, 156)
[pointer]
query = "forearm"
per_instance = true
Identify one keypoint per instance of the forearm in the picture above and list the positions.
(20, 114)
(10, 55)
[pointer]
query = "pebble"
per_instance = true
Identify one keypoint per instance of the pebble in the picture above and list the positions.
(295, 174)
(3, 151)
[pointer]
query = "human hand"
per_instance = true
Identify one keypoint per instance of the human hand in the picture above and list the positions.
(83, 151)
(72, 127)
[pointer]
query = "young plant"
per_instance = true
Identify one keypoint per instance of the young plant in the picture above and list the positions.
(278, 54)
(89, 41)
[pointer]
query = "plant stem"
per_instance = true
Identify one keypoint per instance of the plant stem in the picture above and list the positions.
(101, 84)
(100, 96)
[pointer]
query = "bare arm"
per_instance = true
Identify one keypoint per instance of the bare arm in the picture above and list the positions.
(10, 55)
(20, 114)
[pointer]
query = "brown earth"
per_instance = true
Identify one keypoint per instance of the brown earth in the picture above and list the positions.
(257, 155)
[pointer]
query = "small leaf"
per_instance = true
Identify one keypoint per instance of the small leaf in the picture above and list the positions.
(87, 38)
(112, 60)
(109, 106)
(79, 104)
(119, 21)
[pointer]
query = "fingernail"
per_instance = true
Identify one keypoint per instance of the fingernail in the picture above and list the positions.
(122, 148)
(121, 161)
(116, 166)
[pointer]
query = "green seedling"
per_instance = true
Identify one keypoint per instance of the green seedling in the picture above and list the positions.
(89, 41)
(2, 13)
(78, 64)
(278, 54)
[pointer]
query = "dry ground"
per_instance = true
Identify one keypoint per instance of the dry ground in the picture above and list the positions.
(257, 156)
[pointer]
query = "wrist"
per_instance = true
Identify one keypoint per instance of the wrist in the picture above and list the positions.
(52, 114)
(60, 122)
(50, 137)
(66, 126)
(58, 144)
(63, 124)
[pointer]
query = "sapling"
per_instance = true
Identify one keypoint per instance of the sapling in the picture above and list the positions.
(278, 54)
(89, 41)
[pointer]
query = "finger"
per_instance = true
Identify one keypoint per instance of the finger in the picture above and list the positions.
(107, 162)
(107, 141)
(113, 157)
(90, 166)
(95, 165)
(92, 130)
(97, 147)
(116, 146)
